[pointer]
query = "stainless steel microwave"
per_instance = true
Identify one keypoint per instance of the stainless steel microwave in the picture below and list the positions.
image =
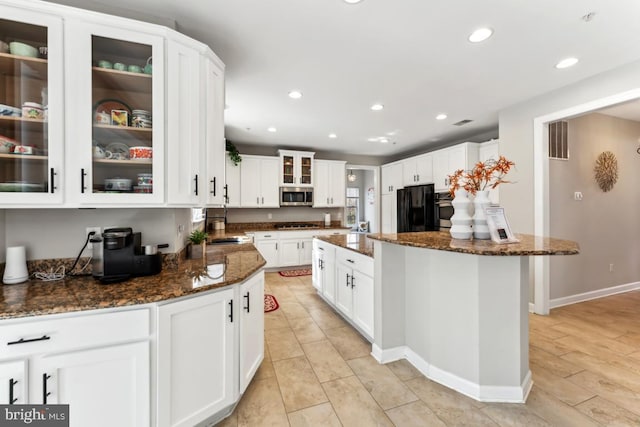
(296, 196)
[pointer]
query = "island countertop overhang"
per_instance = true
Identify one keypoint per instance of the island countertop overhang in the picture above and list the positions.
(529, 245)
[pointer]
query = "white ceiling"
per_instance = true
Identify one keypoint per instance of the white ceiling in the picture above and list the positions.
(410, 55)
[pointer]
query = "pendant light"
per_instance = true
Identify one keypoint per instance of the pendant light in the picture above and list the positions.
(351, 177)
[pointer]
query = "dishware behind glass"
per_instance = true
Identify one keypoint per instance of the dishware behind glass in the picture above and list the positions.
(119, 66)
(140, 153)
(134, 69)
(103, 63)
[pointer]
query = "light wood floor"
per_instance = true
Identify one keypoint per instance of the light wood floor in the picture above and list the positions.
(585, 360)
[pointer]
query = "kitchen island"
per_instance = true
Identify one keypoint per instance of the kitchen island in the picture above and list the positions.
(458, 309)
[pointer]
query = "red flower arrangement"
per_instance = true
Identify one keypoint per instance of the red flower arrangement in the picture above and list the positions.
(484, 176)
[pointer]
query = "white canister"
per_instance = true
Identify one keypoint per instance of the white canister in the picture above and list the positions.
(15, 270)
(327, 220)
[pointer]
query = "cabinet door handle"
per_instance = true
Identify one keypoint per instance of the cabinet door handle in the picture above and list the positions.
(350, 260)
(332, 200)
(82, 175)
(263, 200)
(23, 341)
(391, 188)
(320, 249)
(353, 279)
(52, 180)
(302, 245)
(45, 393)
(418, 177)
(248, 297)
(276, 246)
(348, 275)
(12, 382)
(213, 183)
(231, 311)
(257, 200)
(327, 200)
(196, 181)
(226, 193)
(267, 235)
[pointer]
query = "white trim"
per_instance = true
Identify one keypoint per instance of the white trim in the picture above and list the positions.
(532, 308)
(600, 293)
(541, 184)
(482, 393)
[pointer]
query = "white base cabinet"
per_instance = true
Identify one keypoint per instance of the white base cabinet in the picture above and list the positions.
(14, 374)
(289, 248)
(345, 279)
(251, 329)
(103, 387)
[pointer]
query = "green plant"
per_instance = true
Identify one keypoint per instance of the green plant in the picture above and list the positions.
(198, 236)
(233, 153)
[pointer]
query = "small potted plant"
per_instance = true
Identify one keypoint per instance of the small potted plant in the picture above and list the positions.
(197, 248)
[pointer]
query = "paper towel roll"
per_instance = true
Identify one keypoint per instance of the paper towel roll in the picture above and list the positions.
(327, 219)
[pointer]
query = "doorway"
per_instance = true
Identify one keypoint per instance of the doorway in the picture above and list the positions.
(542, 217)
(362, 198)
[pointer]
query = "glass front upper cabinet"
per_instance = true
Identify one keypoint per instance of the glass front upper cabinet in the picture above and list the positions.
(122, 117)
(31, 123)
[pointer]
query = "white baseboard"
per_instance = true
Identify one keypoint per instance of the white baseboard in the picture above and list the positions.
(600, 293)
(482, 393)
(532, 307)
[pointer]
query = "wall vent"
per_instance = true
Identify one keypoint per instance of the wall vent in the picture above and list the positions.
(558, 140)
(462, 122)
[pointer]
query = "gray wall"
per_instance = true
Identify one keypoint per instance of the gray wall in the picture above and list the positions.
(606, 225)
(516, 137)
(359, 183)
(285, 214)
(370, 210)
(263, 150)
(60, 233)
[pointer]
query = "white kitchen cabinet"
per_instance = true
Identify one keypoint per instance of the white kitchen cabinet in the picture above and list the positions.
(417, 170)
(13, 377)
(232, 183)
(251, 328)
(26, 79)
(214, 129)
(490, 150)
(267, 245)
(446, 161)
(294, 251)
(185, 134)
(93, 362)
(354, 289)
(389, 213)
(94, 92)
(296, 168)
(323, 269)
(259, 182)
(329, 183)
(196, 348)
(392, 177)
(106, 386)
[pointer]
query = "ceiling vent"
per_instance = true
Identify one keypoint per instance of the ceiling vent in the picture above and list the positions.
(462, 122)
(558, 140)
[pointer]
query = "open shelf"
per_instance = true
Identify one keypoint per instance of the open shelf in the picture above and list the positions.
(26, 157)
(107, 78)
(122, 162)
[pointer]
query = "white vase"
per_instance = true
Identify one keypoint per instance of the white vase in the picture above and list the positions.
(480, 228)
(461, 219)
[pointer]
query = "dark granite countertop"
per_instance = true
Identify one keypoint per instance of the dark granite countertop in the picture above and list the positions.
(355, 242)
(441, 240)
(35, 298)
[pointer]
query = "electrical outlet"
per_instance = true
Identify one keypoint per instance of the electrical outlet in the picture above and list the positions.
(577, 195)
(610, 268)
(97, 230)
(269, 216)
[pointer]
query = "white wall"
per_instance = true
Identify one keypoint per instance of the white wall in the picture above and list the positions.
(605, 224)
(370, 209)
(60, 233)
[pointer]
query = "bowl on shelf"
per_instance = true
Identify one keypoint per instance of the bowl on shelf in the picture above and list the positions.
(140, 153)
(32, 110)
(7, 144)
(117, 184)
(21, 187)
(23, 49)
(8, 110)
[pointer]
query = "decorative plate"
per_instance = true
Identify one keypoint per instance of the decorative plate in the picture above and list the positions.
(106, 105)
(119, 148)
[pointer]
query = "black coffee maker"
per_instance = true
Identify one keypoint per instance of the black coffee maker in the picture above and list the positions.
(118, 256)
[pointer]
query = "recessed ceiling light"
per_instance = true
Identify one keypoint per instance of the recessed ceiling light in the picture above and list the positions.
(441, 116)
(377, 107)
(480, 35)
(567, 62)
(352, 1)
(333, 135)
(383, 140)
(272, 129)
(295, 94)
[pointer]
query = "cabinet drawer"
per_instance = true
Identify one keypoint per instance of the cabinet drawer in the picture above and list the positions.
(83, 330)
(362, 263)
(265, 235)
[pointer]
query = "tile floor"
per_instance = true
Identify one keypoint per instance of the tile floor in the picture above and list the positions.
(317, 371)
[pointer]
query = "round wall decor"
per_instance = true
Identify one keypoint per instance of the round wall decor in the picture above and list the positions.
(606, 170)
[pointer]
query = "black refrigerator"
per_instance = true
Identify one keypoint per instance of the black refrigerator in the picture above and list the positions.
(417, 209)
